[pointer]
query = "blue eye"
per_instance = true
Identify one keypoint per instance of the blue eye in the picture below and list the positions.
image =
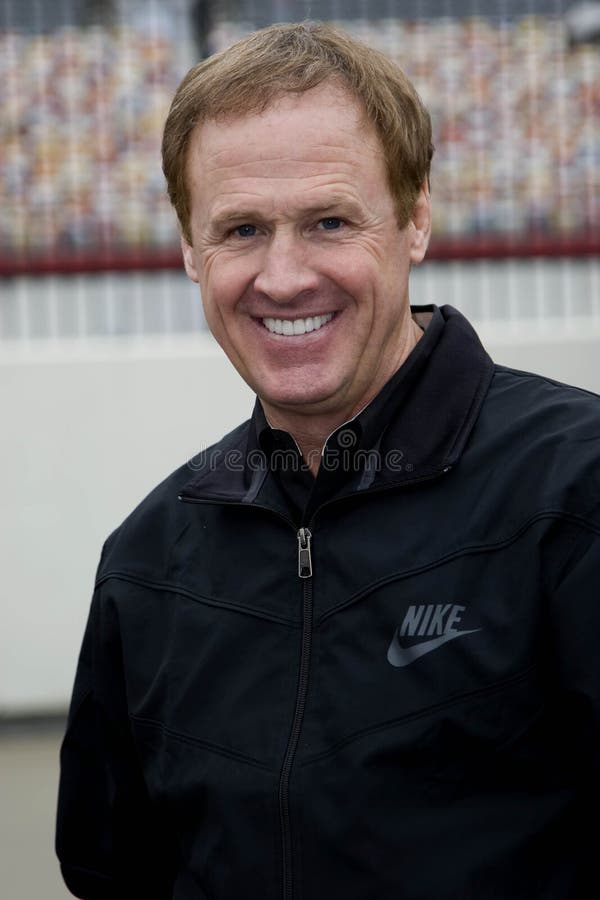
(331, 223)
(246, 230)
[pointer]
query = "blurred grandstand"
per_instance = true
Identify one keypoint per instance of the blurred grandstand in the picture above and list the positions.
(515, 101)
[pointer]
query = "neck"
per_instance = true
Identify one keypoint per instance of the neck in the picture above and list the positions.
(310, 431)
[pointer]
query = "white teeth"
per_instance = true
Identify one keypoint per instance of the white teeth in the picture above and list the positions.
(297, 326)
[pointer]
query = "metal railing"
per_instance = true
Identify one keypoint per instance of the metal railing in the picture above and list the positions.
(138, 304)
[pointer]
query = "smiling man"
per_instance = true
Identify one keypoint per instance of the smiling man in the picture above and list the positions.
(350, 650)
(303, 268)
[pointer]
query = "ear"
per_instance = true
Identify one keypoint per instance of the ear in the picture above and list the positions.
(420, 225)
(188, 260)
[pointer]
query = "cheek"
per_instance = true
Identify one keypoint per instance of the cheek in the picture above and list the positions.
(351, 270)
(224, 281)
(229, 273)
(361, 277)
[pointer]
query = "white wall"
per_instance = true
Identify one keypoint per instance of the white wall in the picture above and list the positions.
(86, 434)
(90, 426)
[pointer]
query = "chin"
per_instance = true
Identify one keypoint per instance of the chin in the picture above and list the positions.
(295, 386)
(292, 399)
(295, 401)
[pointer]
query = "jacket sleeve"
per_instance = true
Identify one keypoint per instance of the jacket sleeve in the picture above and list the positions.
(575, 672)
(575, 635)
(110, 840)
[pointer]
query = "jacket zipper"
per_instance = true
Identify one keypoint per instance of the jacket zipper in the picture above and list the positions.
(305, 574)
(304, 536)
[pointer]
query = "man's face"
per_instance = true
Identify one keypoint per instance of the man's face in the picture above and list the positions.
(302, 267)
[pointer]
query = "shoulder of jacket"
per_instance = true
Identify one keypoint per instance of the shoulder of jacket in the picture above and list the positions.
(546, 436)
(154, 525)
(521, 380)
(543, 404)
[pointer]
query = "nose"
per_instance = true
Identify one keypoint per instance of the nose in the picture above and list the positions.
(286, 269)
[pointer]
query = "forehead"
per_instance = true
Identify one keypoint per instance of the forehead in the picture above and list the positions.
(319, 133)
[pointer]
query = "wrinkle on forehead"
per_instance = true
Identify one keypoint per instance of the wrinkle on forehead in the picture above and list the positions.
(326, 156)
(254, 177)
(336, 174)
(262, 131)
(273, 162)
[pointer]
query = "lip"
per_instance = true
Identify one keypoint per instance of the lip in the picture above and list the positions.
(304, 315)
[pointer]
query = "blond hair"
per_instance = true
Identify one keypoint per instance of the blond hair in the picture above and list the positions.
(292, 58)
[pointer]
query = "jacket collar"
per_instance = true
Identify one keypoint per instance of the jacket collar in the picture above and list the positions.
(438, 396)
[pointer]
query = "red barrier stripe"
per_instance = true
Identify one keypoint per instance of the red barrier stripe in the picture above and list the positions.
(76, 262)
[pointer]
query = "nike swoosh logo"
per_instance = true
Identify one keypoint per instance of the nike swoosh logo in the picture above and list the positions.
(399, 656)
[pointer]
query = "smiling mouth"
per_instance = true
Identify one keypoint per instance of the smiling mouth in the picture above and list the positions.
(293, 327)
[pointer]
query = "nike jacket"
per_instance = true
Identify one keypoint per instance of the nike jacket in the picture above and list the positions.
(395, 699)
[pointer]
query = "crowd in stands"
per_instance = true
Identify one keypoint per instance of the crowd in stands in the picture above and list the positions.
(80, 131)
(515, 107)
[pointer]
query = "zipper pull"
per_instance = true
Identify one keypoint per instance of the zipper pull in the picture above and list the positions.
(304, 557)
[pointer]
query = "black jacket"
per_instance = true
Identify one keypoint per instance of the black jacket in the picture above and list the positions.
(396, 700)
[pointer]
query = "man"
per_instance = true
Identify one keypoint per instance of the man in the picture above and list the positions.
(351, 650)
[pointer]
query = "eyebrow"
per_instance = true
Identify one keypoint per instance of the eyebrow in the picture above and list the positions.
(242, 215)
